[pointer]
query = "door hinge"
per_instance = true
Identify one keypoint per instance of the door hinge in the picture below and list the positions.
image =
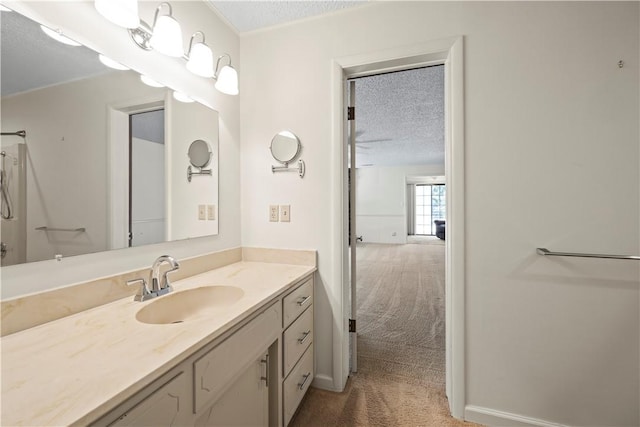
(351, 113)
(352, 325)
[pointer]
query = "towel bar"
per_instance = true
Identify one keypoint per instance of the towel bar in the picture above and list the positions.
(547, 252)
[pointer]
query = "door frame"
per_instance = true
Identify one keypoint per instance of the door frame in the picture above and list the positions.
(449, 52)
(118, 135)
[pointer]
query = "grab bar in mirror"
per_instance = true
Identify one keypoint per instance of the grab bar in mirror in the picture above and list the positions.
(547, 252)
(20, 133)
(45, 228)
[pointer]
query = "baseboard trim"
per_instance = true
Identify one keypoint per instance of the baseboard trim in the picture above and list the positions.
(324, 382)
(491, 417)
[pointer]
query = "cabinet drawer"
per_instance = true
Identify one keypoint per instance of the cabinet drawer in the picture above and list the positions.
(218, 369)
(297, 383)
(297, 301)
(166, 406)
(297, 338)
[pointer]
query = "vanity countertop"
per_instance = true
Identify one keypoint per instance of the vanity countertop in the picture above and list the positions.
(73, 370)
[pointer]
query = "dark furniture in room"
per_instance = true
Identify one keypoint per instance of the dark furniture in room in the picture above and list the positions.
(440, 228)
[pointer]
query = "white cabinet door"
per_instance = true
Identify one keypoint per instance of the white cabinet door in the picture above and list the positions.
(245, 402)
(167, 406)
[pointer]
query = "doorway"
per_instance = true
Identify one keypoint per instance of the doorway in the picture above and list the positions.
(450, 53)
(146, 178)
(397, 130)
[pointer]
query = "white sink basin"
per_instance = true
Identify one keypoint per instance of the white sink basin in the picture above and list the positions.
(182, 306)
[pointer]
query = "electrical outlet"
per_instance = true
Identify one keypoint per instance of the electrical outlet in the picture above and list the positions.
(202, 212)
(285, 213)
(273, 213)
(211, 212)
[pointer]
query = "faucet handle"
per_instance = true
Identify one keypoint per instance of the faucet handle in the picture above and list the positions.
(165, 285)
(143, 294)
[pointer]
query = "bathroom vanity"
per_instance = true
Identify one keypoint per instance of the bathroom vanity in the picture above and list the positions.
(233, 345)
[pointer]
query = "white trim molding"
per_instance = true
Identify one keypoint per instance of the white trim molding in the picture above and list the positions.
(492, 417)
(447, 51)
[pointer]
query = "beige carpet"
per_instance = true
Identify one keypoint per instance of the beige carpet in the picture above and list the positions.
(401, 356)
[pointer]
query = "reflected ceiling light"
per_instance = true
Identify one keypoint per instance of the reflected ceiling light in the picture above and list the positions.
(111, 63)
(57, 35)
(166, 35)
(227, 77)
(123, 13)
(149, 81)
(200, 56)
(4, 9)
(179, 96)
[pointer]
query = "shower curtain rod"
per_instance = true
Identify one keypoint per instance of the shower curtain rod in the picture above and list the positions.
(20, 133)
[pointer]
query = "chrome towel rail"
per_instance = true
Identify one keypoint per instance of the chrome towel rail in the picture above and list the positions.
(45, 228)
(547, 252)
(20, 133)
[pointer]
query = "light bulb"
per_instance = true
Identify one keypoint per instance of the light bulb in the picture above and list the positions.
(123, 13)
(150, 82)
(111, 63)
(167, 36)
(179, 96)
(201, 60)
(227, 80)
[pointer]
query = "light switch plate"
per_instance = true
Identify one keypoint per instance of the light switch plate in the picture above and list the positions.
(202, 212)
(211, 212)
(273, 213)
(285, 213)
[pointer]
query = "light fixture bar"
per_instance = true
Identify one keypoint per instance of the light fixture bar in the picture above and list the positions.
(165, 36)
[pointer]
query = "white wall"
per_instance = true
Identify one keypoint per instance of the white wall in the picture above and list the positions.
(548, 114)
(189, 122)
(80, 21)
(381, 201)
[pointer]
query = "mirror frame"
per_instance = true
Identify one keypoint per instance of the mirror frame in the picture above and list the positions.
(289, 136)
(205, 164)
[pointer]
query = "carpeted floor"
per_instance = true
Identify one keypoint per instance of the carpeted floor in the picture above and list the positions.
(401, 347)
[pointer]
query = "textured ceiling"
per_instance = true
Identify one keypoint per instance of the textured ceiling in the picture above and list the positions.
(400, 118)
(252, 15)
(30, 59)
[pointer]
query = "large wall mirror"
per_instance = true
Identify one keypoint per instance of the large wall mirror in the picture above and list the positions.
(102, 162)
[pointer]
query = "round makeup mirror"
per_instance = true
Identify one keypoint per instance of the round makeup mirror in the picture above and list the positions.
(199, 153)
(285, 146)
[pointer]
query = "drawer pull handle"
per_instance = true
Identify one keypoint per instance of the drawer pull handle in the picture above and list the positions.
(305, 335)
(304, 300)
(306, 377)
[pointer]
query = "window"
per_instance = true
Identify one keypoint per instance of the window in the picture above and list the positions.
(431, 205)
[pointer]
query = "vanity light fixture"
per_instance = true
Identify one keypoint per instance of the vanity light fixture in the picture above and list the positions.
(111, 63)
(200, 57)
(149, 81)
(57, 35)
(226, 78)
(123, 13)
(179, 96)
(166, 36)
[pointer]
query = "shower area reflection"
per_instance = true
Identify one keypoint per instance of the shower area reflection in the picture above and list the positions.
(13, 199)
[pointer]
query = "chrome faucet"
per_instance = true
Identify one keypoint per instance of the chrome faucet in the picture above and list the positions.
(161, 285)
